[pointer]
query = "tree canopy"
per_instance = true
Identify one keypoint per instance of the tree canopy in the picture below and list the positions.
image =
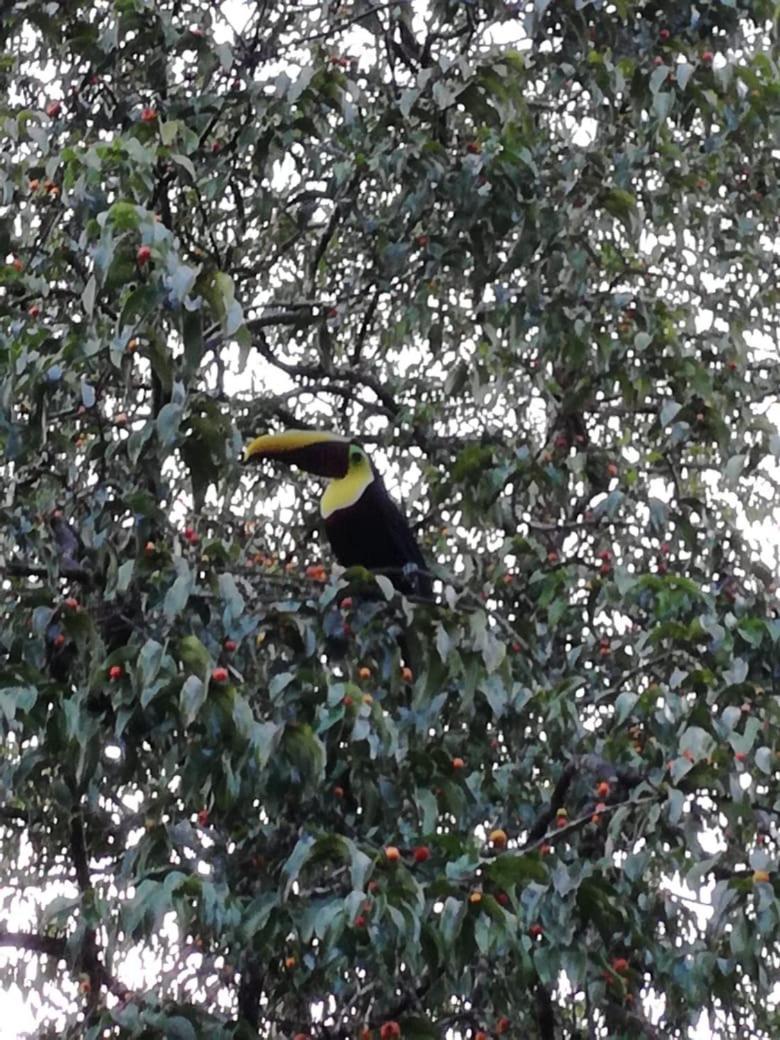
(526, 254)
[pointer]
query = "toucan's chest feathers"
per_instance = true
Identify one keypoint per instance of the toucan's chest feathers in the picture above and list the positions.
(346, 491)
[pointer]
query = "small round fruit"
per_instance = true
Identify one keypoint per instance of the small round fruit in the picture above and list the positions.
(219, 675)
(458, 763)
(603, 788)
(203, 817)
(148, 114)
(230, 646)
(364, 673)
(502, 1026)
(620, 966)
(150, 549)
(498, 838)
(389, 1031)
(475, 897)
(289, 962)
(53, 109)
(346, 603)
(407, 675)
(392, 854)
(58, 641)
(421, 854)
(536, 931)
(143, 255)
(664, 35)
(115, 672)
(72, 603)
(707, 57)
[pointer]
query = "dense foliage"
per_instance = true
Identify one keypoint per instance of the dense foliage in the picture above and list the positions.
(527, 254)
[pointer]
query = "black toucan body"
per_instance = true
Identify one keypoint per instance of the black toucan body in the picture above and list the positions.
(364, 525)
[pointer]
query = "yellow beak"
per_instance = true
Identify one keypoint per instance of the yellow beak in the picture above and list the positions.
(325, 454)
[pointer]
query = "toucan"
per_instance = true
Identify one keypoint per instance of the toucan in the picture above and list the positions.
(363, 524)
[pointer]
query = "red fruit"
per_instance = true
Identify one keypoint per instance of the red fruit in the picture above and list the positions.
(392, 854)
(389, 1031)
(338, 791)
(120, 419)
(72, 603)
(346, 603)
(219, 675)
(347, 701)
(480, 1035)
(552, 556)
(203, 817)
(360, 921)
(596, 817)
(503, 1024)
(143, 255)
(612, 469)
(458, 763)
(502, 898)
(658, 60)
(422, 241)
(535, 931)
(191, 536)
(17, 264)
(59, 640)
(707, 57)
(620, 966)
(474, 147)
(407, 675)
(150, 549)
(545, 849)
(421, 854)
(516, 648)
(603, 789)
(664, 35)
(53, 109)
(115, 672)
(33, 311)
(148, 114)
(230, 646)
(740, 756)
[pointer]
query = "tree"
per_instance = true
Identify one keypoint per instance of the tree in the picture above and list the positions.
(527, 255)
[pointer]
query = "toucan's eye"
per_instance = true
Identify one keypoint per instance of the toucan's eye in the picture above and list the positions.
(355, 455)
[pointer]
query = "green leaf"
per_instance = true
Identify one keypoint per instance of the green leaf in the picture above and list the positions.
(513, 869)
(193, 697)
(178, 594)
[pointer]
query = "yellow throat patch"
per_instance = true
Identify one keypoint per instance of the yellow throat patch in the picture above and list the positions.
(345, 491)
